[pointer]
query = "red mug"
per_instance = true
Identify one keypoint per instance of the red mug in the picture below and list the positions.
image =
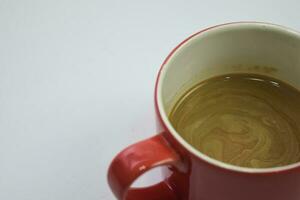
(247, 47)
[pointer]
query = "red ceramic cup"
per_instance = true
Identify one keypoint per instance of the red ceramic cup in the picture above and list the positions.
(190, 175)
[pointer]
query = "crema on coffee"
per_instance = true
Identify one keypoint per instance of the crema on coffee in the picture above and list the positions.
(246, 120)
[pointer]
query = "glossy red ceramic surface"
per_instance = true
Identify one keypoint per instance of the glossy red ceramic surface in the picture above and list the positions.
(134, 161)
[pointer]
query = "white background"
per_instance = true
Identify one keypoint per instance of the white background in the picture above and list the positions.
(77, 81)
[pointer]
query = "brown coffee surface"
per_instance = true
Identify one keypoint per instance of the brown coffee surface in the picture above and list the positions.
(246, 120)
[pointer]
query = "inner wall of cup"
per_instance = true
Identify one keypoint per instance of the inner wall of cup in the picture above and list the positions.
(237, 48)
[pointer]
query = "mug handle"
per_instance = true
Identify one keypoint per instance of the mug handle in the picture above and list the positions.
(135, 160)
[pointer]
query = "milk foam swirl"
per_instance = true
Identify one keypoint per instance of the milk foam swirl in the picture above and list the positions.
(242, 120)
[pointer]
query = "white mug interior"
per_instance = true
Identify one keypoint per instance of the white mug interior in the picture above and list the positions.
(259, 48)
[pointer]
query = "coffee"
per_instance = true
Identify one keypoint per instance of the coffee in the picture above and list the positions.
(247, 120)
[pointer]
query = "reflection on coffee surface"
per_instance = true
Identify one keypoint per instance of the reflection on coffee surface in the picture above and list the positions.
(243, 119)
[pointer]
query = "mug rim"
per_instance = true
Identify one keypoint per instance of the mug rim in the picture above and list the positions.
(165, 121)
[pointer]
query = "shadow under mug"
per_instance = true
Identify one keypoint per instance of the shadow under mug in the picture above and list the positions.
(241, 47)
